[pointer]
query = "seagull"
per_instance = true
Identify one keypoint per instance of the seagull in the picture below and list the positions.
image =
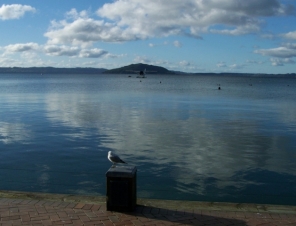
(114, 158)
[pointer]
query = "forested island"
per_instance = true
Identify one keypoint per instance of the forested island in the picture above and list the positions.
(136, 68)
(129, 69)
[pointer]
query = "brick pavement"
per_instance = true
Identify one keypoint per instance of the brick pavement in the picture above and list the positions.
(33, 211)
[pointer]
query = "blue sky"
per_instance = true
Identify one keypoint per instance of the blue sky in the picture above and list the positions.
(254, 36)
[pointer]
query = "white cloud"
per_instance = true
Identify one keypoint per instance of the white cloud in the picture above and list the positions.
(290, 35)
(281, 62)
(184, 63)
(221, 64)
(73, 14)
(177, 44)
(142, 59)
(230, 67)
(237, 66)
(126, 20)
(73, 51)
(56, 50)
(92, 53)
(239, 30)
(21, 47)
(165, 43)
(268, 36)
(287, 51)
(253, 62)
(14, 11)
(281, 55)
(6, 62)
(85, 31)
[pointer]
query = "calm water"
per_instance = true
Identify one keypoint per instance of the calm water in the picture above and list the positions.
(188, 139)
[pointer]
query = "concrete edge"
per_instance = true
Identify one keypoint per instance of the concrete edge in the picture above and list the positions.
(158, 203)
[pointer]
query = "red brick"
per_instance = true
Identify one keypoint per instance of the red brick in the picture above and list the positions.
(71, 205)
(46, 222)
(56, 204)
(84, 218)
(79, 206)
(138, 223)
(55, 217)
(87, 206)
(25, 218)
(107, 223)
(9, 218)
(38, 218)
(62, 214)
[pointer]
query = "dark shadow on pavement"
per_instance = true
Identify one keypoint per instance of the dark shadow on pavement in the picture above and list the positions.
(146, 215)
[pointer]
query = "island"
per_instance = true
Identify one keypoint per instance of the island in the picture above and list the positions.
(136, 68)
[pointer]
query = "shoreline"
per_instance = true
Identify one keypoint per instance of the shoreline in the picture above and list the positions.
(185, 205)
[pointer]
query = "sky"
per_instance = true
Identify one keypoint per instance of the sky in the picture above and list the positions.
(199, 36)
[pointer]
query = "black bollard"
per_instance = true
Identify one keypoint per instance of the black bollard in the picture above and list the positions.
(121, 188)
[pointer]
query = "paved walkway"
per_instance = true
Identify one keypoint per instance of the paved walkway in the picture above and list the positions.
(48, 209)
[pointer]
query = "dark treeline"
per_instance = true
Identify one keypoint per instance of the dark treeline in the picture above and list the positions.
(130, 69)
(51, 70)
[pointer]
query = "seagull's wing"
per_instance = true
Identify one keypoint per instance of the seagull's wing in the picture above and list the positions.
(115, 158)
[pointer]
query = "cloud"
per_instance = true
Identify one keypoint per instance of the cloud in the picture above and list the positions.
(21, 47)
(56, 50)
(221, 64)
(281, 55)
(53, 50)
(5, 62)
(128, 20)
(239, 30)
(159, 18)
(231, 66)
(281, 62)
(290, 35)
(177, 44)
(142, 59)
(73, 14)
(92, 53)
(184, 63)
(85, 31)
(254, 62)
(14, 11)
(73, 51)
(286, 51)
(237, 66)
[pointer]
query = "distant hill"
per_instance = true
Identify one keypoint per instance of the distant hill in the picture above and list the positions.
(133, 68)
(52, 70)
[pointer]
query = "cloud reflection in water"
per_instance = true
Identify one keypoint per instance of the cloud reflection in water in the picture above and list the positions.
(197, 145)
(14, 132)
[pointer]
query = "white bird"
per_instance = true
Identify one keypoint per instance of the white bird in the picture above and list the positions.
(114, 158)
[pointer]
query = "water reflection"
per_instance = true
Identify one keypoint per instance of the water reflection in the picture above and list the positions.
(14, 132)
(189, 140)
(197, 146)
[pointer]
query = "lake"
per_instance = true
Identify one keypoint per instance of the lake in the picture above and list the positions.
(188, 139)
